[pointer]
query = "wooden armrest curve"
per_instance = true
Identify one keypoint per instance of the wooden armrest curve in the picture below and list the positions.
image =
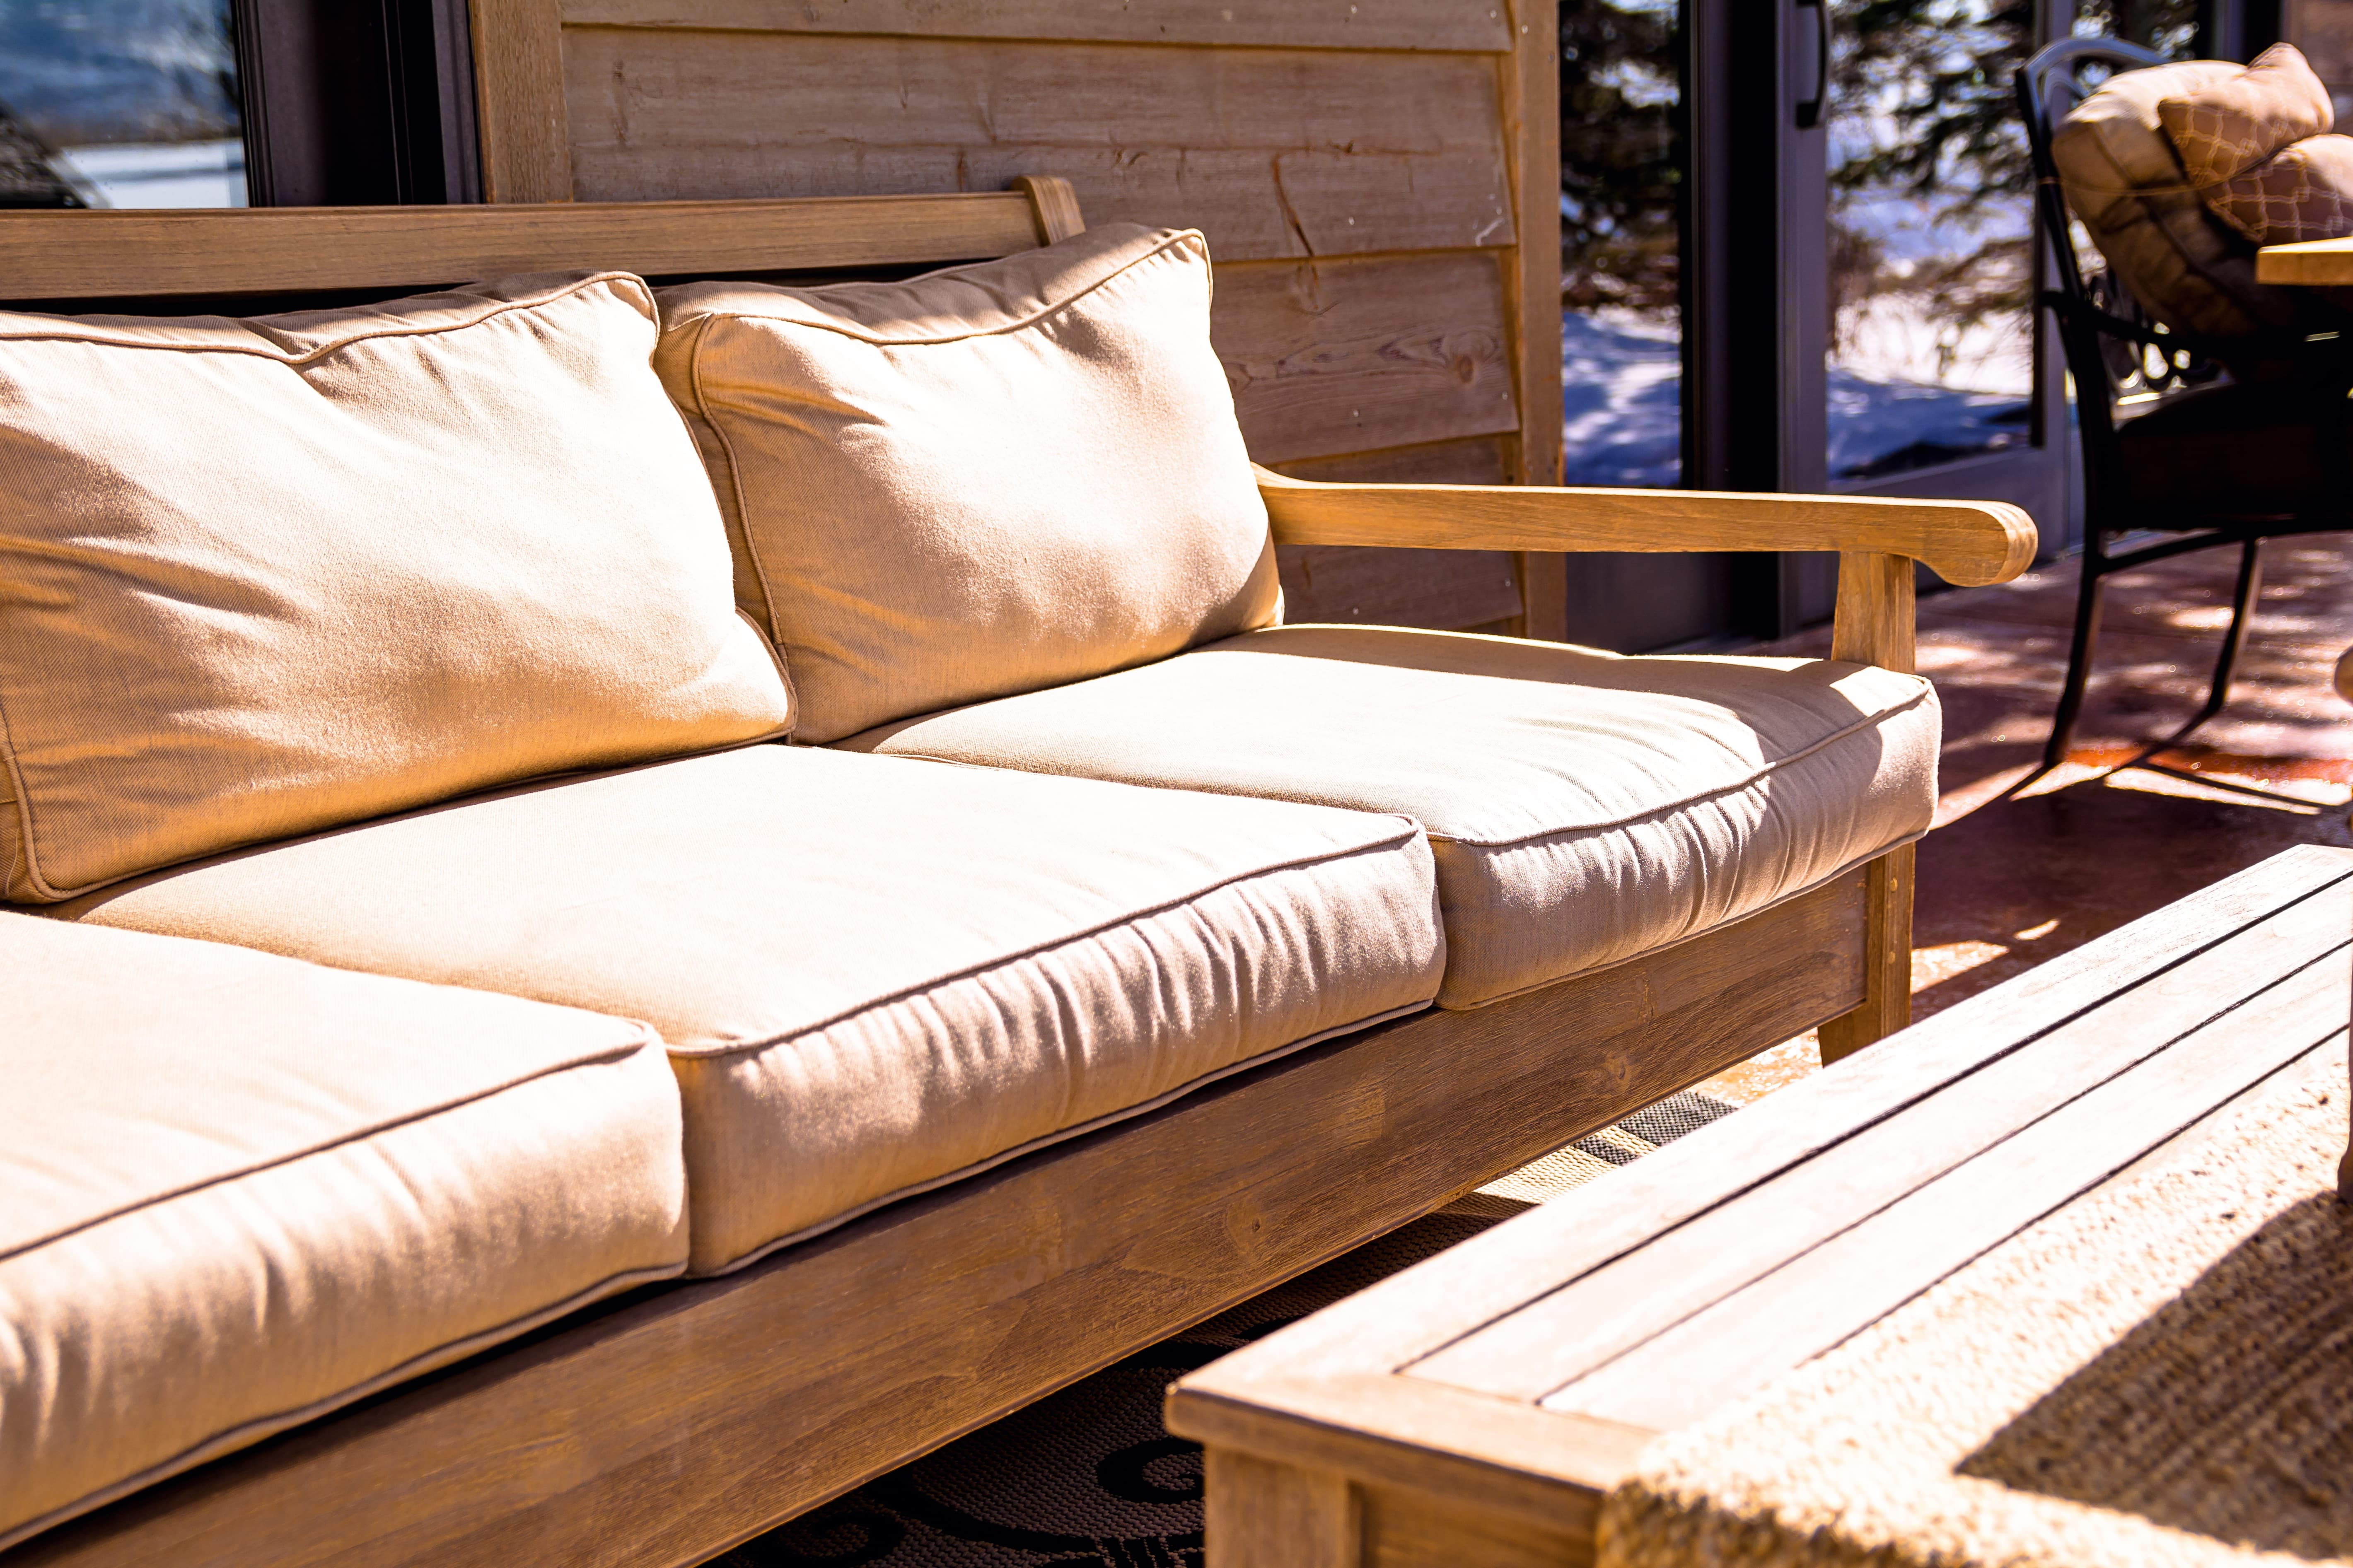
(1967, 543)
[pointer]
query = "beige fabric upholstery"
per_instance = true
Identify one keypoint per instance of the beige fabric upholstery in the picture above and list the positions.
(980, 481)
(236, 1192)
(874, 976)
(1584, 807)
(265, 576)
(2124, 180)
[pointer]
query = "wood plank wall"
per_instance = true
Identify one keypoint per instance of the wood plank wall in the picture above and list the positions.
(1359, 166)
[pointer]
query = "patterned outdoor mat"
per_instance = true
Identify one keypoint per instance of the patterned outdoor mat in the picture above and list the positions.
(1088, 1478)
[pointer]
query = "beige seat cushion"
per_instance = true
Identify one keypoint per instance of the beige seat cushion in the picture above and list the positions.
(2125, 180)
(1584, 807)
(981, 481)
(874, 976)
(236, 1192)
(258, 577)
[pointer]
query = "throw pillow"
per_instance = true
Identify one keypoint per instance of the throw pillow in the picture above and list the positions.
(2255, 147)
(981, 481)
(263, 577)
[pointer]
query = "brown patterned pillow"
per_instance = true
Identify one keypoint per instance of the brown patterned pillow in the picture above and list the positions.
(2304, 193)
(2224, 128)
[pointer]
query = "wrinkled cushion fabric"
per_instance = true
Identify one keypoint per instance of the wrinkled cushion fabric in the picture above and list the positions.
(2182, 262)
(980, 481)
(1584, 807)
(2255, 147)
(259, 577)
(874, 976)
(236, 1192)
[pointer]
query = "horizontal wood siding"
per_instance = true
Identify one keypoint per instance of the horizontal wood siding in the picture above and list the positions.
(1454, 589)
(1287, 24)
(1347, 160)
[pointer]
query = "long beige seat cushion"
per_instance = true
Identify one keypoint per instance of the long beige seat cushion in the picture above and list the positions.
(1584, 807)
(236, 1192)
(874, 976)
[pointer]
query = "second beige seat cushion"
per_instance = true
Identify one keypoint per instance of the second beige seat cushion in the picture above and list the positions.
(1584, 807)
(874, 976)
(236, 1192)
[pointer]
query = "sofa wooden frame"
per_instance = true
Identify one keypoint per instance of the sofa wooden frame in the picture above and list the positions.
(675, 1422)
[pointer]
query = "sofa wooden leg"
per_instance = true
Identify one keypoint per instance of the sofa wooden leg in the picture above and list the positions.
(1887, 960)
(1263, 1514)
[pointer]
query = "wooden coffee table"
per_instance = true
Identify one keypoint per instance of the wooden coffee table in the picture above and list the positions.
(1475, 1409)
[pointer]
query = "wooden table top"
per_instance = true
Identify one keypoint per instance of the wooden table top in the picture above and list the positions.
(1518, 1373)
(2311, 261)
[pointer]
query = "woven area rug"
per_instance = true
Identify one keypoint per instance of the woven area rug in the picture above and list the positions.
(1088, 1478)
(2159, 1374)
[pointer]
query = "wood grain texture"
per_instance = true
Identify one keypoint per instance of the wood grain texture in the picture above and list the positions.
(1452, 591)
(2310, 262)
(1967, 543)
(1346, 356)
(1833, 1201)
(1402, 1529)
(519, 108)
(1814, 1301)
(1310, 1373)
(669, 1429)
(1270, 153)
(1262, 1514)
(1589, 1322)
(1887, 959)
(60, 256)
(1531, 94)
(1055, 204)
(1424, 25)
(1876, 613)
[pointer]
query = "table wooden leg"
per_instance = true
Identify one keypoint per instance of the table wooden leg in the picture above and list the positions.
(1887, 960)
(1262, 1514)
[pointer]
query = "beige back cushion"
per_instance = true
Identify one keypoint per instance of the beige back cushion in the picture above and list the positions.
(980, 481)
(262, 577)
(2124, 180)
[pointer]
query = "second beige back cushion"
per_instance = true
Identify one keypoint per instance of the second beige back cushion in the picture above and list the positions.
(267, 577)
(980, 481)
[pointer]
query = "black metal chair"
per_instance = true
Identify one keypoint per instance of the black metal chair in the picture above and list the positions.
(2189, 444)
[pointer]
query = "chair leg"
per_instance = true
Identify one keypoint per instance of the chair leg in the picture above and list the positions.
(1886, 960)
(2235, 640)
(2079, 661)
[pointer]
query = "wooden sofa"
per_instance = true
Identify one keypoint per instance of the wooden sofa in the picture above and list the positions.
(668, 1425)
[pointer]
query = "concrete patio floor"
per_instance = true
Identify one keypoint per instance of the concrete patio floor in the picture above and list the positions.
(2010, 878)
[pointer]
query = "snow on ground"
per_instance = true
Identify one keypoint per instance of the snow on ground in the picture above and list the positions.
(1621, 375)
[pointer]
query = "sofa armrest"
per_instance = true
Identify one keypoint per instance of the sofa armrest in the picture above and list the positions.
(1964, 541)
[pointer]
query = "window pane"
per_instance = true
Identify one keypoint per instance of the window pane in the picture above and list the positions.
(1621, 164)
(1931, 227)
(126, 103)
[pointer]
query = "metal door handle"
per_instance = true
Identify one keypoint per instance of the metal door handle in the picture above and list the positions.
(1810, 110)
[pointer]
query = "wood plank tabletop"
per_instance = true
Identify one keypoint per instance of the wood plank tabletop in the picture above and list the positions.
(1523, 1369)
(2310, 261)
